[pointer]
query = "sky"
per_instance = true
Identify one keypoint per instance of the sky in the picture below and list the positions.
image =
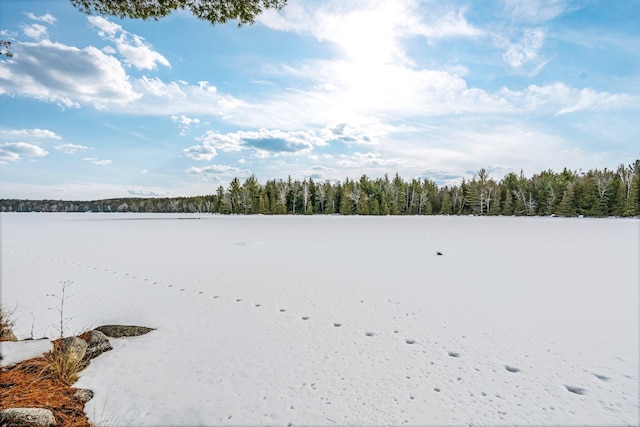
(96, 107)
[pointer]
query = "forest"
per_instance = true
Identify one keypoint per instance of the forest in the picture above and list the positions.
(596, 193)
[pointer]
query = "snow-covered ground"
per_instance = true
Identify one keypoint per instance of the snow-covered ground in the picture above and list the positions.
(340, 320)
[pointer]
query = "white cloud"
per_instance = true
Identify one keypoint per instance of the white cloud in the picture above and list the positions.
(371, 32)
(31, 133)
(338, 91)
(66, 75)
(15, 151)
(589, 99)
(185, 122)
(173, 98)
(200, 152)
(132, 47)
(263, 143)
(147, 193)
(452, 24)
(95, 161)
(35, 31)
(535, 11)
(559, 99)
(105, 27)
(361, 160)
(526, 51)
(217, 173)
(47, 18)
(71, 148)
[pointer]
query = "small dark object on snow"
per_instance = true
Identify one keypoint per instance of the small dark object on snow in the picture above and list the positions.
(438, 253)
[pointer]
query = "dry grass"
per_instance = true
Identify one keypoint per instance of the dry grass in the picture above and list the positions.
(45, 382)
(62, 367)
(6, 325)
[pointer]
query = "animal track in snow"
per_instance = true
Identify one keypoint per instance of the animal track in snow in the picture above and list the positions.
(576, 390)
(454, 354)
(602, 377)
(511, 368)
(369, 334)
(410, 341)
(305, 318)
(337, 325)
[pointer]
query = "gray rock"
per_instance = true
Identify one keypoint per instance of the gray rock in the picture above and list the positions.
(31, 417)
(74, 348)
(97, 344)
(118, 331)
(83, 394)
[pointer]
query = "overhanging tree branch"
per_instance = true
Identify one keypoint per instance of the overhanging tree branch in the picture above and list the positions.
(212, 11)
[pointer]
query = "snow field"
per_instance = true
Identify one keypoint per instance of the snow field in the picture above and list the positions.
(341, 320)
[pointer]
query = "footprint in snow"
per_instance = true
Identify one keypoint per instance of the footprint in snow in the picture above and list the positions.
(454, 354)
(369, 334)
(337, 325)
(576, 390)
(305, 318)
(511, 368)
(410, 341)
(602, 377)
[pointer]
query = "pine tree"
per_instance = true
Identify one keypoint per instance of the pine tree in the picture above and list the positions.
(374, 206)
(446, 208)
(494, 208)
(384, 206)
(567, 206)
(632, 204)
(428, 208)
(363, 205)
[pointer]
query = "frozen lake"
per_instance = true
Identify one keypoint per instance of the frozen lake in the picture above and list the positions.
(340, 320)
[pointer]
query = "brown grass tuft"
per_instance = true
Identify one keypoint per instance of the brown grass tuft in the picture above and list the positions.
(61, 366)
(44, 382)
(6, 325)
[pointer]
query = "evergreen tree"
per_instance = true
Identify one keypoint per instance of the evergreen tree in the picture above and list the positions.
(384, 206)
(632, 204)
(494, 207)
(567, 207)
(507, 206)
(374, 206)
(447, 207)
(363, 205)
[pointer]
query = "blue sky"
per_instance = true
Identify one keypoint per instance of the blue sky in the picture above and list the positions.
(96, 107)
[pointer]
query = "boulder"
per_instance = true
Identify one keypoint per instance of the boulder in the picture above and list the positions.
(83, 394)
(118, 331)
(74, 348)
(32, 417)
(97, 343)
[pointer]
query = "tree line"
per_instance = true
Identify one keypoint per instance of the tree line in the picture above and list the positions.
(596, 193)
